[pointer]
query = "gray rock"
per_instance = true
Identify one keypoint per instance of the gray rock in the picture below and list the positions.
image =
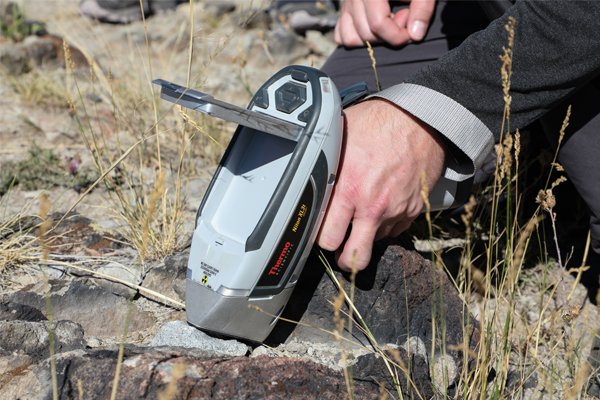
(180, 334)
(40, 50)
(319, 43)
(101, 314)
(254, 19)
(216, 9)
(121, 272)
(371, 367)
(12, 369)
(177, 265)
(20, 312)
(13, 57)
(33, 338)
(164, 279)
(286, 47)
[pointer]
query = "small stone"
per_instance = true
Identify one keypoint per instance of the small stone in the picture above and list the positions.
(444, 372)
(216, 9)
(180, 334)
(415, 345)
(295, 347)
(262, 351)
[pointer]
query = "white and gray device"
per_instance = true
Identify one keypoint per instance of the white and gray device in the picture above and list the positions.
(264, 206)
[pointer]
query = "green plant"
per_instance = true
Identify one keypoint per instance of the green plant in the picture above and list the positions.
(43, 169)
(18, 29)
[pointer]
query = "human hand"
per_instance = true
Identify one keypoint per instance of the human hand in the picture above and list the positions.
(379, 180)
(371, 21)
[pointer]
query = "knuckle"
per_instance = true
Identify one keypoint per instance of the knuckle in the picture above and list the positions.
(376, 23)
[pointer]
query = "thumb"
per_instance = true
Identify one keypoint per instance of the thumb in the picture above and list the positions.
(419, 17)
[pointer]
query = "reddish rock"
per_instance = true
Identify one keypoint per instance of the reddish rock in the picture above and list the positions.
(144, 376)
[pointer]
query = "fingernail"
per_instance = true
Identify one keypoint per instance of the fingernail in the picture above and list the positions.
(417, 30)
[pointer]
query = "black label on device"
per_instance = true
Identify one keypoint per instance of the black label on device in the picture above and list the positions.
(291, 239)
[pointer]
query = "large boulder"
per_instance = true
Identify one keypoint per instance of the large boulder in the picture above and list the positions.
(147, 375)
(406, 302)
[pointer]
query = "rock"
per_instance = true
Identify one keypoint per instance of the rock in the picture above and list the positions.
(36, 51)
(395, 296)
(168, 279)
(54, 126)
(414, 345)
(100, 313)
(319, 43)
(372, 368)
(254, 19)
(40, 51)
(180, 334)
(119, 271)
(216, 9)
(147, 375)
(444, 372)
(33, 338)
(13, 369)
(301, 21)
(13, 58)
(77, 233)
(20, 312)
(285, 46)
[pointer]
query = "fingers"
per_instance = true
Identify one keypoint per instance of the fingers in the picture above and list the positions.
(346, 32)
(356, 252)
(419, 16)
(335, 225)
(400, 227)
(382, 25)
(371, 21)
(364, 21)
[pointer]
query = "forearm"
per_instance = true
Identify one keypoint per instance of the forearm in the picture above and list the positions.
(556, 51)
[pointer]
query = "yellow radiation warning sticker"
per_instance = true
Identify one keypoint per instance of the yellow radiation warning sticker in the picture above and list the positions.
(210, 273)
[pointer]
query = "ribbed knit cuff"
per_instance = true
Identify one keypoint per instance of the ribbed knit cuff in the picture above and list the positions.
(450, 119)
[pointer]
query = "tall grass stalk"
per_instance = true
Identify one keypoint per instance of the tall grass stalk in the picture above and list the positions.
(43, 239)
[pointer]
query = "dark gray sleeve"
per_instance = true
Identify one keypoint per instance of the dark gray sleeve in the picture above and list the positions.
(556, 52)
